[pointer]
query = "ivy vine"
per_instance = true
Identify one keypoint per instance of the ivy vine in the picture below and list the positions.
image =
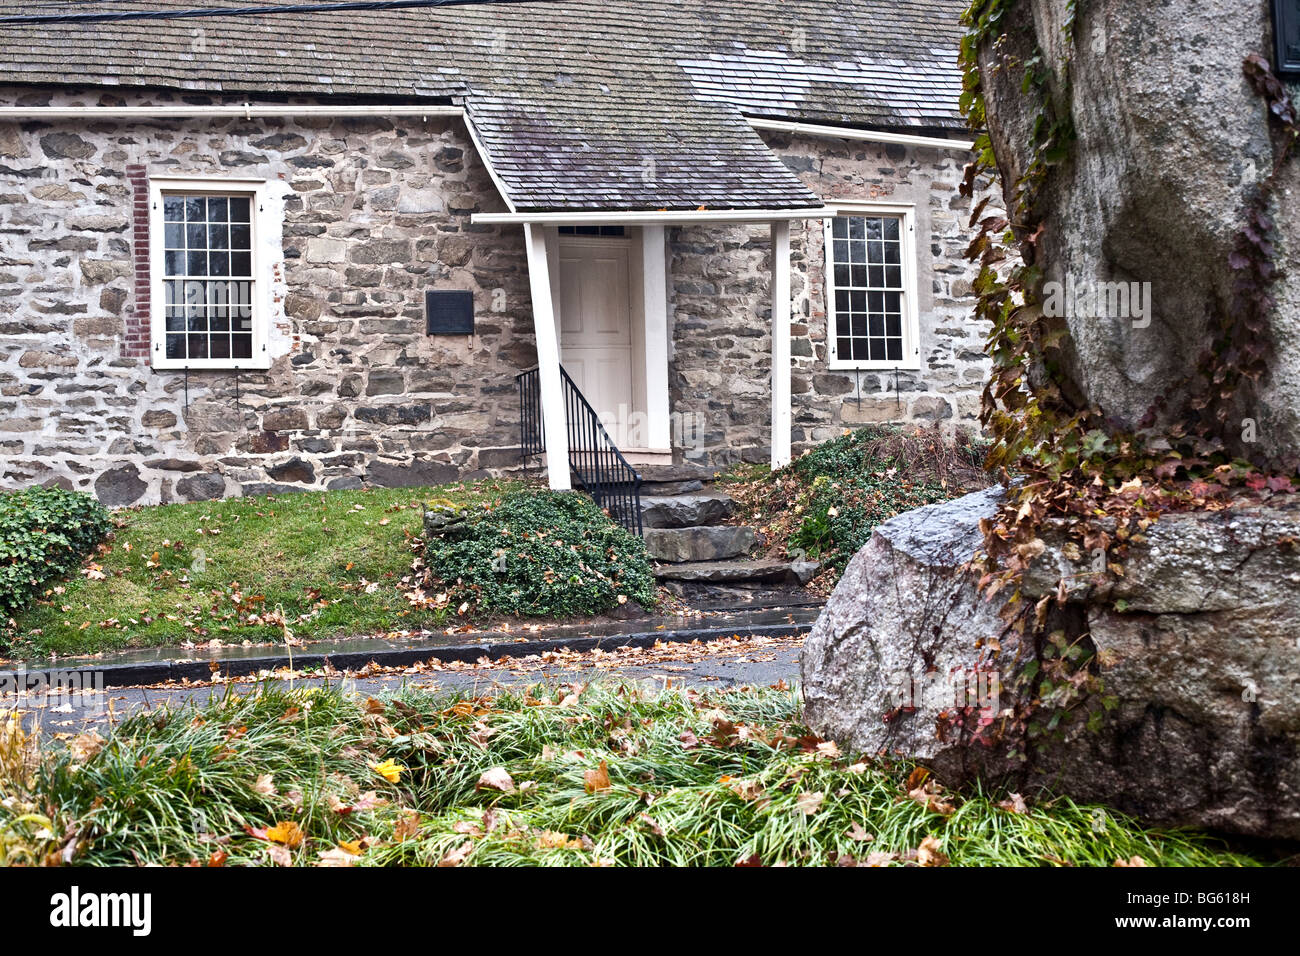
(1070, 471)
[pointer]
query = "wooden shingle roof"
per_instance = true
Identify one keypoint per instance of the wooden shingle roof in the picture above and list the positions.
(580, 104)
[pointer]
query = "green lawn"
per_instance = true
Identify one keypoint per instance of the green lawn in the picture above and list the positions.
(555, 775)
(328, 563)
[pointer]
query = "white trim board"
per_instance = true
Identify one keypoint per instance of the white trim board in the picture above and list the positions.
(266, 253)
(865, 135)
(911, 360)
(647, 217)
(243, 110)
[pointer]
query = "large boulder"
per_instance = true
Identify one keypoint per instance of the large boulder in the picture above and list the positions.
(1197, 641)
(1171, 141)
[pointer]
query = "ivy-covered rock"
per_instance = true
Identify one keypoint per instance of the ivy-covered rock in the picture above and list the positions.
(1142, 153)
(1170, 690)
(44, 533)
(536, 553)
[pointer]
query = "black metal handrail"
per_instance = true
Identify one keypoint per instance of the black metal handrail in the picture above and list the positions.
(594, 459)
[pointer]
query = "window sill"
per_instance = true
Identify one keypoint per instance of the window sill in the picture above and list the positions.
(251, 365)
(836, 366)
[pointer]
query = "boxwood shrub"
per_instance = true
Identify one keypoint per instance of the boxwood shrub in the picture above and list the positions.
(44, 533)
(541, 553)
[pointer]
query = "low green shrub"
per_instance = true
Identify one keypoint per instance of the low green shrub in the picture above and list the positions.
(839, 516)
(540, 553)
(44, 533)
(854, 482)
(825, 504)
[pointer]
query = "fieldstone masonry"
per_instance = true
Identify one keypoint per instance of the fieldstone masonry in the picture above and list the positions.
(374, 212)
(720, 368)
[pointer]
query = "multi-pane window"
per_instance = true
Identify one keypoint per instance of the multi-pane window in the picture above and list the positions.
(208, 289)
(869, 290)
(208, 275)
(607, 231)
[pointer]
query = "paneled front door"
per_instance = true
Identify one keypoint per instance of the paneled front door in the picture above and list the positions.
(595, 316)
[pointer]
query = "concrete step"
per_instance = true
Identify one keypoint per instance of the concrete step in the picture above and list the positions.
(717, 572)
(686, 511)
(698, 544)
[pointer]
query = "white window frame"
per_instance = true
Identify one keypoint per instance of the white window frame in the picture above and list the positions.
(257, 191)
(911, 325)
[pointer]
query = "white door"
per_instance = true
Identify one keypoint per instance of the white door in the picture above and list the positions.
(596, 326)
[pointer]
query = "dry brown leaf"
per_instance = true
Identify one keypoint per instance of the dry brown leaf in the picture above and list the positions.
(496, 779)
(407, 826)
(810, 802)
(458, 855)
(929, 854)
(85, 746)
(856, 832)
(1014, 803)
(598, 779)
(336, 857)
(280, 856)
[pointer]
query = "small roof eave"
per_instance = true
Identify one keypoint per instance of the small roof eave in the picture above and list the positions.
(634, 217)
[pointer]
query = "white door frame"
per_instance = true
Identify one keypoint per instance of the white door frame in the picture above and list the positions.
(648, 286)
(542, 242)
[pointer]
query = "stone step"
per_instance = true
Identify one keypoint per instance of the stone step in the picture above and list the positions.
(716, 572)
(664, 489)
(686, 511)
(698, 544)
(682, 472)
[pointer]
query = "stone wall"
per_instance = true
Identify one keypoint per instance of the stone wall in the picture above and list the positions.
(374, 212)
(721, 366)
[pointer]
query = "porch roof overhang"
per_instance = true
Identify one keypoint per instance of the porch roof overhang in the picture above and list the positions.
(656, 217)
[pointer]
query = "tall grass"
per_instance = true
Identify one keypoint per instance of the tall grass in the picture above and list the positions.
(608, 774)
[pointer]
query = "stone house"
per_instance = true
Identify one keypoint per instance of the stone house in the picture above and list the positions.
(293, 251)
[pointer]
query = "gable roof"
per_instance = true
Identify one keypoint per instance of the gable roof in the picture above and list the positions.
(579, 104)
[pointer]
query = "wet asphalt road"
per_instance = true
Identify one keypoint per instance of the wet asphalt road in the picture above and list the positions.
(64, 714)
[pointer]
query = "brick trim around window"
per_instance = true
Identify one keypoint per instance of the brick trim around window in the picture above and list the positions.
(135, 343)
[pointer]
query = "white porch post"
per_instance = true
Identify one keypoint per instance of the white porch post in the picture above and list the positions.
(548, 359)
(780, 343)
(654, 272)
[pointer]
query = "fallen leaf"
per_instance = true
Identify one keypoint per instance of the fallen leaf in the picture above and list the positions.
(457, 856)
(85, 746)
(265, 784)
(407, 826)
(929, 854)
(496, 779)
(810, 802)
(598, 779)
(856, 832)
(1132, 861)
(286, 832)
(336, 857)
(390, 770)
(1014, 803)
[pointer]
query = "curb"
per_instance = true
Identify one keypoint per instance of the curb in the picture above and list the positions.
(156, 672)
